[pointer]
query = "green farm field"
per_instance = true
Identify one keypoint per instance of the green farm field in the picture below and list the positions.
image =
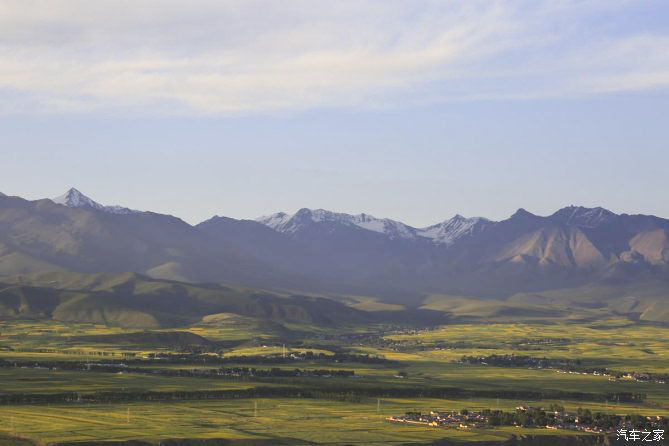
(408, 367)
(288, 421)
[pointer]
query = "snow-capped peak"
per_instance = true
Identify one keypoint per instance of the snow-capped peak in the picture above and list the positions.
(274, 221)
(451, 230)
(289, 224)
(75, 199)
(582, 216)
(445, 233)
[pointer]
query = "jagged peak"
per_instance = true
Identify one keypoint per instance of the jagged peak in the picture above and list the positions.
(453, 229)
(74, 198)
(457, 219)
(522, 213)
(582, 216)
(581, 209)
(275, 221)
(307, 211)
(73, 191)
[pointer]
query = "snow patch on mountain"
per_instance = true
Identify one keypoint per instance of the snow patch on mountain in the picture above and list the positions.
(275, 221)
(289, 224)
(445, 233)
(449, 231)
(392, 228)
(75, 199)
(582, 216)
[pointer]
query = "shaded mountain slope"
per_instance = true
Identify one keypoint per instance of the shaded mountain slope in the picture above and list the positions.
(132, 300)
(37, 236)
(327, 255)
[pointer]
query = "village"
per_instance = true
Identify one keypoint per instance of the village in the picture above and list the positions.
(556, 417)
(573, 367)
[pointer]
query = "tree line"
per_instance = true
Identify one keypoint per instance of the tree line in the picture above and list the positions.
(564, 364)
(251, 372)
(329, 390)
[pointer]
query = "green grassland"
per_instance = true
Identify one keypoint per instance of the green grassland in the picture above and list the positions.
(47, 381)
(611, 343)
(348, 411)
(289, 420)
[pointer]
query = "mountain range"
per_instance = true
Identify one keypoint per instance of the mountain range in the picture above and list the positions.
(444, 233)
(323, 252)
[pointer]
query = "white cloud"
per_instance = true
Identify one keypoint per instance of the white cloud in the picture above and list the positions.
(239, 57)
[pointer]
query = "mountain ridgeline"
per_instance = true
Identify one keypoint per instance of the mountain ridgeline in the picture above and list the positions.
(317, 251)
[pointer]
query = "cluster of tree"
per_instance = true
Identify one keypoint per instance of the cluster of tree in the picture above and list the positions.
(460, 393)
(182, 358)
(274, 372)
(328, 389)
(64, 352)
(567, 365)
(526, 418)
(530, 361)
(413, 345)
(583, 417)
(542, 341)
(64, 365)
(643, 376)
(417, 345)
(449, 346)
(339, 394)
(283, 373)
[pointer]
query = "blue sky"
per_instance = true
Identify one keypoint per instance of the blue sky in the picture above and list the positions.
(409, 110)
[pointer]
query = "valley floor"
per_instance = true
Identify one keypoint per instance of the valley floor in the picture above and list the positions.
(81, 383)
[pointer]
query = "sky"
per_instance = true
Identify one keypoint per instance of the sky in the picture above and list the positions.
(412, 110)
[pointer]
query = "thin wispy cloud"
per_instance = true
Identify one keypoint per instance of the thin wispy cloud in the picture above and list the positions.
(247, 57)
